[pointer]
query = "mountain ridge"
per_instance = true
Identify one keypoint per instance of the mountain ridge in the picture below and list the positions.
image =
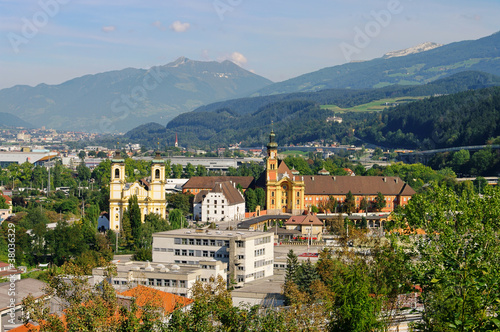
(120, 99)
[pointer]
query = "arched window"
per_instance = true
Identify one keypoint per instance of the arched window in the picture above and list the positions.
(157, 174)
(117, 173)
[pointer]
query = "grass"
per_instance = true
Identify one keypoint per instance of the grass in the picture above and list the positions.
(295, 153)
(374, 106)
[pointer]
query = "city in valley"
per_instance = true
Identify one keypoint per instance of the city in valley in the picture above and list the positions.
(300, 168)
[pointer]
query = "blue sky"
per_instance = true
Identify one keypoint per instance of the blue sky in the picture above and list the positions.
(275, 39)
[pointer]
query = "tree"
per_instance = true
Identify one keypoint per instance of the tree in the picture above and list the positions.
(177, 171)
(250, 200)
(101, 154)
(189, 171)
(82, 155)
(380, 202)
(260, 196)
(176, 219)
(349, 203)
(134, 213)
(364, 205)
(457, 259)
(3, 204)
(83, 172)
(201, 170)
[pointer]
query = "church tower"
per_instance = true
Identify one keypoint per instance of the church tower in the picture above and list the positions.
(115, 191)
(157, 191)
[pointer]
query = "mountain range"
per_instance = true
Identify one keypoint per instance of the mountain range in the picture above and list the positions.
(298, 117)
(415, 68)
(119, 100)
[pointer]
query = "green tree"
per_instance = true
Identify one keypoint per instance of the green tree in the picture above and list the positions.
(380, 202)
(349, 205)
(260, 196)
(250, 200)
(83, 172)
(134, 213)
(201, 170)
(3, 204)
(457, 259)
(82, 155)
(177, 171)
(189, 171)
(176, 219)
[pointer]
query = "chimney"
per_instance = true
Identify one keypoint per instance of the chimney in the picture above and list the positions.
(312, 178)
(397, 180)
(334, 178)
(385, 179)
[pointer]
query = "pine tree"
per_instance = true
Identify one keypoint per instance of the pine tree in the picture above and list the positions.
(134, 214)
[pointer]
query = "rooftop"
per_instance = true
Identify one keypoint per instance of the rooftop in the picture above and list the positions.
(220, 234)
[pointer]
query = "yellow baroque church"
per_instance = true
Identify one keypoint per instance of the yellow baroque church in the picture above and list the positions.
(150, 192)
(285, 190)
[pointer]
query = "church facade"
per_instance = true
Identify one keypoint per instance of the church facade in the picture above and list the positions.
(150, 192)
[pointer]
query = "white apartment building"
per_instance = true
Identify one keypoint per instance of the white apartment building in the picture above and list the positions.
(171, 278)
(247, 255)
(223, 202)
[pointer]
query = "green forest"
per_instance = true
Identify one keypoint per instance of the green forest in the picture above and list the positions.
(298, 117)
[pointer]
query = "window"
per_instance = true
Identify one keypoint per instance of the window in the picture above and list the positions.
(198, 242)
(298, 202)
(191, 253)
(177, 252)
(205, 253)
(215, 202)
(222, 212)
(272, 194)
(215, 211)
(182, 283)
(157, 174)
(222, 202)
(212, 243)
(240, 244)
(241, 268)
(212, 253)
(184, 241)
(272, 201)
(177, 241)
(117, 173)
(184, 252)
(298, 194)
(205, 242)
(241, 278)
(191, 242)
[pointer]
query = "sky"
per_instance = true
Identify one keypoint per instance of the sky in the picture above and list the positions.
(52, 41)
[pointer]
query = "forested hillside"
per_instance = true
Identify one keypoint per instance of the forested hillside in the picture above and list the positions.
(297, 117)
(466, 118)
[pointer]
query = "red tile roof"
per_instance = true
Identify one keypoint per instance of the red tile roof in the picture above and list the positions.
(304, 220)
(150, 296)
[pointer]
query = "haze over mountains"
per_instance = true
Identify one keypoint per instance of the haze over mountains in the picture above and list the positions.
(121, 100)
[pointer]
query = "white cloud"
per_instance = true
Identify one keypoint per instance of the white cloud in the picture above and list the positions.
(237, 58)
(178, 26)
(109, 28)
(158, 25)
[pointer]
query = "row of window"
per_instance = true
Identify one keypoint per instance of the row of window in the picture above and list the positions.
(262, 262)
(262, 240)
(199, 253)
(156, 282)
(260, 252)
(202, 242)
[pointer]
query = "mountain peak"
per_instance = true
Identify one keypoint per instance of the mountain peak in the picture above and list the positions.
(179, 61)
(427, 46)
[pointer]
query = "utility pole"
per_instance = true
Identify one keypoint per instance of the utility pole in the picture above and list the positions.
(48, 184)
